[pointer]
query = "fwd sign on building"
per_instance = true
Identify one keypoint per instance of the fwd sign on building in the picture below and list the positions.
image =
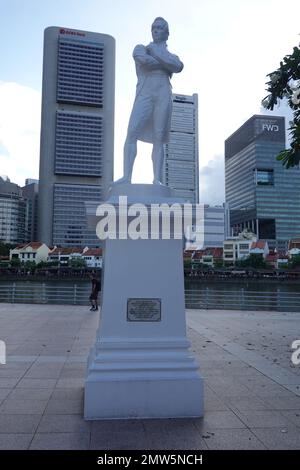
(270, 128)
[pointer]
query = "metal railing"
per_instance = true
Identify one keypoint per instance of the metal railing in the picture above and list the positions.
(207, 298)
(241, 299)
(43, 293)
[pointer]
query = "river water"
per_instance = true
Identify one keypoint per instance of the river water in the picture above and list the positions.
(252, 294)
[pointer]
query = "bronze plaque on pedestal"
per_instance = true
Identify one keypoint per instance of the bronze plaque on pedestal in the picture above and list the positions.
(143, 309)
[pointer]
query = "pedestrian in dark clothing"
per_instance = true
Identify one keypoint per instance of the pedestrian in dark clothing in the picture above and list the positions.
(95, 292)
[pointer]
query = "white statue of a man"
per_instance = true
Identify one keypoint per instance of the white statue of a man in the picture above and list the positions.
(151, 114)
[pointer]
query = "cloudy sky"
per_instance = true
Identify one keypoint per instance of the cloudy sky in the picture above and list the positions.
(228, 48)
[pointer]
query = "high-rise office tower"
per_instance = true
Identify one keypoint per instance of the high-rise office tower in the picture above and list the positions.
(76, 157)
(30, 192)
(12, 212)
(263, 196)
(181, 167)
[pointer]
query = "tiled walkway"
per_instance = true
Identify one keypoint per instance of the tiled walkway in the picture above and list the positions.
(252, 389)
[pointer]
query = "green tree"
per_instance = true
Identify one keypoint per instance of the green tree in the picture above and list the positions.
(77, 263)
(285, 83)
(187, 263)
(30, 265)
(5, 247)
(218, 263)
(294, 261)
(253, 261)
(15, 262)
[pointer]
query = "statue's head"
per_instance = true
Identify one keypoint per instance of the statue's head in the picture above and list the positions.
(160, 30)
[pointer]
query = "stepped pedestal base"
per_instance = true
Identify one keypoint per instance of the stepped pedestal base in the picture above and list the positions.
(140, 366)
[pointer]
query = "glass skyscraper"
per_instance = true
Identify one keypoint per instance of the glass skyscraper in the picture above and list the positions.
(12, 212)
(181, 166)
(76, 157)
(263, 196)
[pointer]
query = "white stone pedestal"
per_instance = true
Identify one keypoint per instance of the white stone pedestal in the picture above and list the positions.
(140, 365)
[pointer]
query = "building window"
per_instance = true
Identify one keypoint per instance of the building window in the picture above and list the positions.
(228, 247)
(267, 229)
(264, 177)
(244, 246)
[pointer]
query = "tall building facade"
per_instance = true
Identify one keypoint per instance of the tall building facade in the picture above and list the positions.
(12, 212)
(212, 227)
(30, 192)
(181, 166)
(77, 131)
(263, 196)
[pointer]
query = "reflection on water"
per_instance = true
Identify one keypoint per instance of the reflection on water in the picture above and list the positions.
(252, 295)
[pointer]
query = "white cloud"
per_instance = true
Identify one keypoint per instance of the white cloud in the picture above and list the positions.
(211, 181)
(20, 112)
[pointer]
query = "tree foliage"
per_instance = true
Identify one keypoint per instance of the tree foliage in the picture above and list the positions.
(252, 261)
(285, 83)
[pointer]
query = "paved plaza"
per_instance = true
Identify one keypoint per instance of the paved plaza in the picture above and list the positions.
(252, 388)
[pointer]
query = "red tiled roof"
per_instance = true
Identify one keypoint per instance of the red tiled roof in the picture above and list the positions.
(66, 251)
(215, 252)
(272, 257)
(33, 245)
(259, 244)
(93, 252)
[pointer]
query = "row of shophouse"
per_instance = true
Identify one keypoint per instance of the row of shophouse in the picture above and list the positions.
(40, 252)
(234, 249)
(240, 248)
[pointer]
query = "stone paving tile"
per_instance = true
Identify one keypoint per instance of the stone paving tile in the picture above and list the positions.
(228, 388)
(55, 360)
(17, 423)
(174, 425)
(118, 425)
(112, 440)
(213, 403)
(63, 423)
(61, 441)
(283, 402)
(244, 404)
(11, 373)
(44, 371)
(15, 441)
(238, 439)
(4, 392)
(37, 383)
(294, 389)
(14, 406)
(219, 420)
(73, 373)
(293, 416)
(279, 439)
(8, 382)
(31, 394)
(70, 383)
(271, 390)
(169, 442)
(68, 393)
(263, 419)
(64, 406)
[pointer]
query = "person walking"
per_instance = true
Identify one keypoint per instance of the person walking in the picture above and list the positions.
(95, 292)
